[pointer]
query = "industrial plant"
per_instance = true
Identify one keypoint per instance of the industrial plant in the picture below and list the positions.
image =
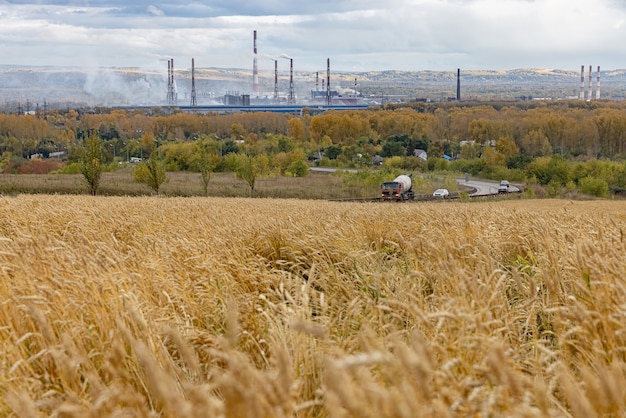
(275, 100)
(282, 88)
(285, 96)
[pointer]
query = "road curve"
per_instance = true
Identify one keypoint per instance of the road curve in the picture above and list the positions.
(484, 187)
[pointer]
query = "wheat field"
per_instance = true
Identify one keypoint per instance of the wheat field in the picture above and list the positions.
(227, 307)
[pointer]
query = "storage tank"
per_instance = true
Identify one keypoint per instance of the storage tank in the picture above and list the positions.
(405, 181)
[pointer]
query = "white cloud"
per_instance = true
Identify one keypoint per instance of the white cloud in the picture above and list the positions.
(155, 11)
(355, 34)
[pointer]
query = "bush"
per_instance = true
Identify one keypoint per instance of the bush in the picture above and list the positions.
(394, 162)
(298, 169)
(34, 166)
(593, 186)
(474, 167)
(72, 168)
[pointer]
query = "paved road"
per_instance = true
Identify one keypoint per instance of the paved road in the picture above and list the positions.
(484, 188)
(332, 169)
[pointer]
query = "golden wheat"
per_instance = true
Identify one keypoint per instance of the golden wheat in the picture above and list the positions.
(190, 307)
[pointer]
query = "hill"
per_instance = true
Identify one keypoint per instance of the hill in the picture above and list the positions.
(28, 87)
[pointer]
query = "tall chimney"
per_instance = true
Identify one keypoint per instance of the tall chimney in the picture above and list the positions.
(276, 81)
(598, 85)
(329, 100)
(590, 81)
(173, 85)
(292, 99)
(169, 81)
(458, 85)
(193, 83)
(255, 70)
(582, 82)
(171, 93)
(317, 80)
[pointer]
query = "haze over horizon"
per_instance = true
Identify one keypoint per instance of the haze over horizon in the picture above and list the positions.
(357, 35)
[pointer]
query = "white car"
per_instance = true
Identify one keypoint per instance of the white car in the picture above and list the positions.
(441, 193)
(503, 187)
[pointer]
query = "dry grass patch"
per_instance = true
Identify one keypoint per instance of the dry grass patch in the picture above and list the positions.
(233, 307)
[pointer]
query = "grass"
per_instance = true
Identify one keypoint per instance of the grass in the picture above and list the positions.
(315, 185)
(235, 307)
(120, 183)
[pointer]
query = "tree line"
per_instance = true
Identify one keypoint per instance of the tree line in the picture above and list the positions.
(490, 139)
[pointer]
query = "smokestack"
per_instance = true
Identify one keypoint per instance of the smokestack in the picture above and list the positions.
(255, 70)
(598, 85)
(174, 92)
(291, 92)
(169, 80)
(171, 94)
(193, 83)
(590, 81)
(458, 85)
(317, 80)
(276, 81)
(329, 100)
(582, 82)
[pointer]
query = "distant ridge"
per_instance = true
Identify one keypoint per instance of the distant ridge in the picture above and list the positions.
(112, 86)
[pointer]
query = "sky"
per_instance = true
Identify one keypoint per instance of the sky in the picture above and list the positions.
(357, 35)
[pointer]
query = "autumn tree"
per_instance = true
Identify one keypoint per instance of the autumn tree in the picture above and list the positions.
(296, 129)
(90, 162)
(493, 157)
(536, 143)
(237, 131)
(507, 147)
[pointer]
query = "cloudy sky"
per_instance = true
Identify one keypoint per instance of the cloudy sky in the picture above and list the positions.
(361, 35)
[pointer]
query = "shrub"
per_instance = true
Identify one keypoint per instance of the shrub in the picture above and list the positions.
(298, 168)
(38, 166)
(593, 186)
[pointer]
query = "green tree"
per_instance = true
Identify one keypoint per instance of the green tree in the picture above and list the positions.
(151, 172)
(392, 148)
(90, 162)
(298, 168)
(249, 168)
(206, 162)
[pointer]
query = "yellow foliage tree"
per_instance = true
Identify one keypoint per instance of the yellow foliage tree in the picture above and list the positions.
(507, 147)
(493, 157)
(296, 129)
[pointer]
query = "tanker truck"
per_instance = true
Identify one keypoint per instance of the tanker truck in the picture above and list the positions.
(401, 188)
